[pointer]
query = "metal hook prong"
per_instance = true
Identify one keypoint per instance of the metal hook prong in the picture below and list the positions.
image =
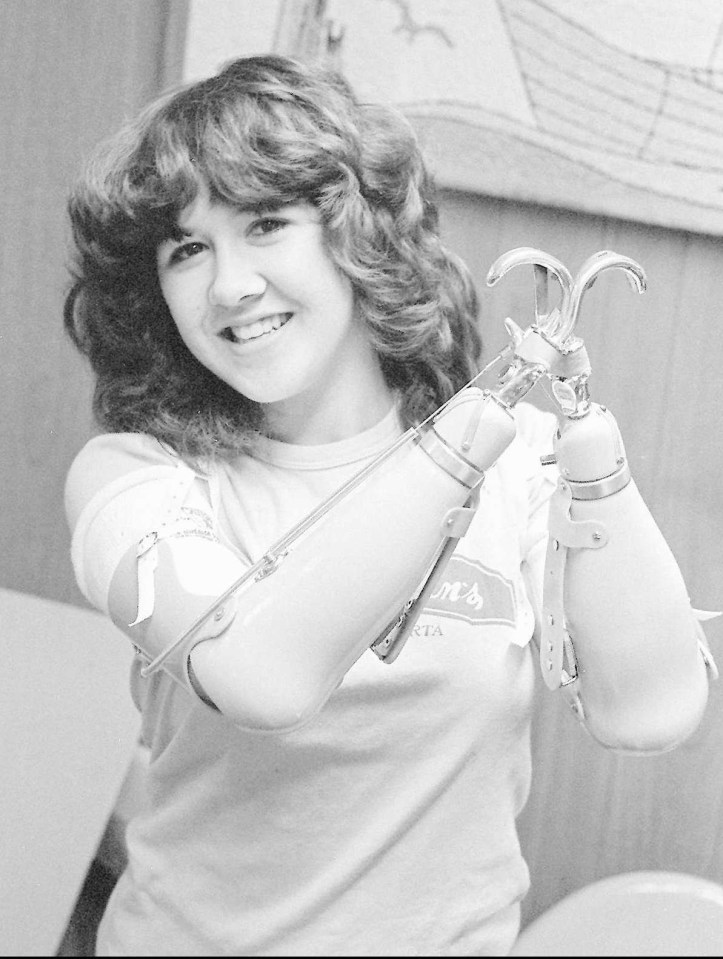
(528, 254)
(544, 266)
(542, 289)
(588, 274)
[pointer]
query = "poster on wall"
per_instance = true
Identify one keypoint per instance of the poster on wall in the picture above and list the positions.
(613, 108)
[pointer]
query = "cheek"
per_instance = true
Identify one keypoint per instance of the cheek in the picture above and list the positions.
(168, 293)
(322, 277)
(184, 307)
(336, 290)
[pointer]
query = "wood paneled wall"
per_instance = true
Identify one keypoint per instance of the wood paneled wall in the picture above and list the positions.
(70, 72)
(656, 362)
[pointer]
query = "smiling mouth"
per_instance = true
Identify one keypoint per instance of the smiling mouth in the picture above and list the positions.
(254, 331)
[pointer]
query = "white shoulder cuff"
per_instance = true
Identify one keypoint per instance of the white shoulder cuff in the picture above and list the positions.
(119, 515)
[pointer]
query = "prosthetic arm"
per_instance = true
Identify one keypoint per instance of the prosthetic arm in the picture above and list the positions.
(290, 627)
(286, 630)
(618, 635)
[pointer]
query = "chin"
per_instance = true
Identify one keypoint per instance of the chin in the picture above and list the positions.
(279, 390)
(269, 397)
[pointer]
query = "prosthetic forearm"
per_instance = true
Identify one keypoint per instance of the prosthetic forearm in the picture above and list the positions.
(618, 632)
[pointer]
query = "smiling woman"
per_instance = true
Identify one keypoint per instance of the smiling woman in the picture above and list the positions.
(235, 280)
(284, 353)
(238, 150)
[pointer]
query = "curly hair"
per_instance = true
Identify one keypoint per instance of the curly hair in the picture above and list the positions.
(264, 132)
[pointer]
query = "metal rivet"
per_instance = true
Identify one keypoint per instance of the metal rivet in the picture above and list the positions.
(550, 619)
(549, 664)
(219, 614)
(597, 537)
(555, 544)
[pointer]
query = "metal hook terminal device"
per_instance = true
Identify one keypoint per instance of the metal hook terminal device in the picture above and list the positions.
(551, 339)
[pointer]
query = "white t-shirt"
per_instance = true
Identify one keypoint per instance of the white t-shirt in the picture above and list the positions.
(386, 825)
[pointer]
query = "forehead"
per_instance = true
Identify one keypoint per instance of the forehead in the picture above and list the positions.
(200, 208)
(204, 211)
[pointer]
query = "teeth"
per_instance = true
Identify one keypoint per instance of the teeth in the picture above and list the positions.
(253, 330)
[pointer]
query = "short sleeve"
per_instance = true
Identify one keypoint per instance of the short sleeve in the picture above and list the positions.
(120, 487)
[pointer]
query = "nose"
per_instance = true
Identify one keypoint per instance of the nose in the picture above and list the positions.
(236, 279)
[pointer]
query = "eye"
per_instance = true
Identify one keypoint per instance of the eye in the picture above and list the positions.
(266, 226)
(185, 251)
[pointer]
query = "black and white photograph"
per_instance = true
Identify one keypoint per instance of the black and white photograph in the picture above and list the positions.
(361, 550)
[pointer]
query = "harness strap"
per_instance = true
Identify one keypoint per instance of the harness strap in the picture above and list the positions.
(454, 526)
(565, 533)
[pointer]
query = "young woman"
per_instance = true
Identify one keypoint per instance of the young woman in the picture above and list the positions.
(265, 300)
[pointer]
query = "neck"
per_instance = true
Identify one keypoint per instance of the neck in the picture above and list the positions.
(320, 417)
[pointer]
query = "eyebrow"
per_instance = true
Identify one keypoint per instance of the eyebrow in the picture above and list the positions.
(175, 235)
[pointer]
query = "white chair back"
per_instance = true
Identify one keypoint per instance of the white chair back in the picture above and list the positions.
(653, 913)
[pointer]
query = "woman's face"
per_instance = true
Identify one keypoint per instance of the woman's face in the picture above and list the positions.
(258, 300)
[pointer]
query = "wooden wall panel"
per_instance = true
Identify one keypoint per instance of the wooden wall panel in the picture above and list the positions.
(70, 72)
(657, 364)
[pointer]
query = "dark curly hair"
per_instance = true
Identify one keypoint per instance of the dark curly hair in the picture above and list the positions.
(264, 132)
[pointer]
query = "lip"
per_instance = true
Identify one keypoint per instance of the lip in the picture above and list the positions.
(233, 333)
